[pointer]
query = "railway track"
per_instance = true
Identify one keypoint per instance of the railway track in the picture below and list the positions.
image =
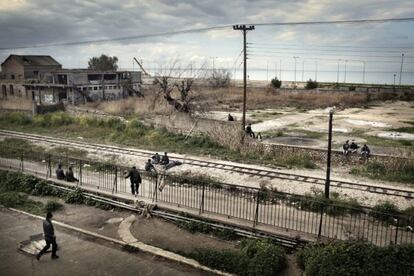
(232, 168)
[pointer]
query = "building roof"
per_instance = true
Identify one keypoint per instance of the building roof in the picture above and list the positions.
(34, 60)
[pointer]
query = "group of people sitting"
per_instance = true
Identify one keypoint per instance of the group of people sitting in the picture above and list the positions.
(349, 148)
(164, 160)
(68, 176)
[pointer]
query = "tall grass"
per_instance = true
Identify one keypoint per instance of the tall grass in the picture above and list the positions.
(401, 171)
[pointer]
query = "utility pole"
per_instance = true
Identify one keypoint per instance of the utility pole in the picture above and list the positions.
(328, 167)
(363, 71)
(402, 62)
(280, 68)
(295, 66)
(267, 71)
(337, 73)
(346, 61)
(244, 29)
(303, 70)
(213, 58)
(316, 70)
(394, 79)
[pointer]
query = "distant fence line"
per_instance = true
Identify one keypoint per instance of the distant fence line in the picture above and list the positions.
(282, 211)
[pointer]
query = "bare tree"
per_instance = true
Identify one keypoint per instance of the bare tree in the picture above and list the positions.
(219, 78)
(186, 99)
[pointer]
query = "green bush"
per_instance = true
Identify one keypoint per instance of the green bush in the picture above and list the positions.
(12, 199)
(75, 197)
(401, 171)
(385, 211)
(356, 258)
(52, 205)
(302, 161)
(310, 84)
(17, 118)
(255, 257)
(264, 257)
(276, 83)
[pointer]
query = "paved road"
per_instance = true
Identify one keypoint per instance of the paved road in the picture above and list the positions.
(77, 255)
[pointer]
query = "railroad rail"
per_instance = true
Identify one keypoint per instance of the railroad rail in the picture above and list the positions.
(232, 168)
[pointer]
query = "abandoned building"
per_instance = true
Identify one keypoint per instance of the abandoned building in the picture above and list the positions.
(43, 80)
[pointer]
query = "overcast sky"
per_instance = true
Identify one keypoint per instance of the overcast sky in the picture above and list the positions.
(317, 48)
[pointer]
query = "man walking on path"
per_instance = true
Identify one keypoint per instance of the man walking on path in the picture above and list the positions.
(50, 238)
(135, 179)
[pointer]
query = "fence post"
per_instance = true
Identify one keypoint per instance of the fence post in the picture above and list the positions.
(256, 213)
(202, 199)
(155, 193)
(80, 172)
(49, 167)
(396, 231)
(115, 186)
(22, 162)
(320, 222)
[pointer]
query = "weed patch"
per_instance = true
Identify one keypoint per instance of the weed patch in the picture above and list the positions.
(254, 257)
(52, 206)
(356, 258)
(401, 171)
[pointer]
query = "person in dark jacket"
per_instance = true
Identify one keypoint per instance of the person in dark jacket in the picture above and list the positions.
(50, 238)
(135, 179)
(249, 131)
(60, 173)
(165, 160)
(156, 158)
(70, 177)
(149, 167)
(353, 147)
(345, 147)
(365, 152)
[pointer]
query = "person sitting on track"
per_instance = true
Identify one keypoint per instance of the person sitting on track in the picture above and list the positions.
(149, 167)
(156, 158)
(353, 147)
(365, 152)
(165, 160)
(345, 148)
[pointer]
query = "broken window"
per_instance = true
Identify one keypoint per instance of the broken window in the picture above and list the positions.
(94, 77)
(109, 76)
(62, 79)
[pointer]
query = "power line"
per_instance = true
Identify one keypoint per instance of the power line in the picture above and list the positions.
(324, 50)
(328, 59)
(325, 54)
(352, 21)
(198, 30)
(334, 46)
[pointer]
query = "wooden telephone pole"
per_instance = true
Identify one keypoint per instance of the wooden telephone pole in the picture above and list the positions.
(244, 28)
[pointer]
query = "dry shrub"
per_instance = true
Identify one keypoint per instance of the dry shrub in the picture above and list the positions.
(17, 103)
(149, 105)
(269, 98)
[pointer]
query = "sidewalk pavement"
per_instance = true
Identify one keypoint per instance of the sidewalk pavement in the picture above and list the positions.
(78, 256)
